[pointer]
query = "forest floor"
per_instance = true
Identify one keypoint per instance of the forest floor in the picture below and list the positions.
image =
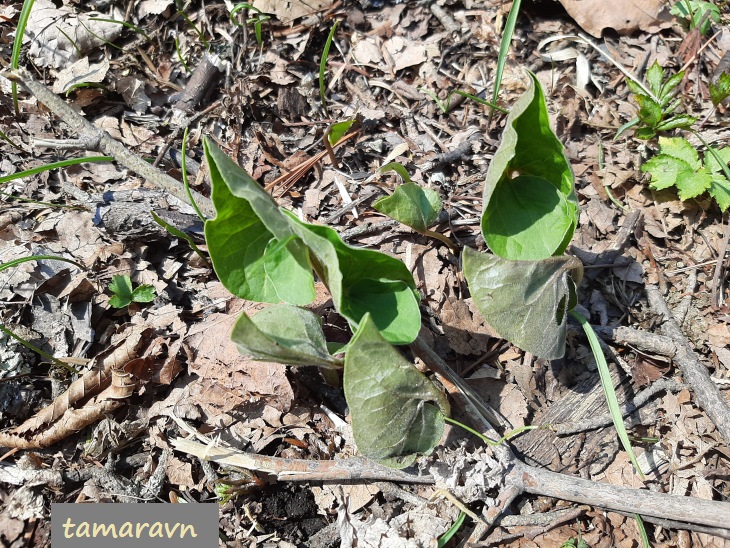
(393, 66)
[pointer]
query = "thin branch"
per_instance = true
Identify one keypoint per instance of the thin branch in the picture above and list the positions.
(298, 469)
(95, 138)
(695, 373)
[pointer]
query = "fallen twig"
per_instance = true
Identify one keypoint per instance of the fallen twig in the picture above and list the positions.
(695, 373)
(355, 468)
(521, 478)
(95, 138)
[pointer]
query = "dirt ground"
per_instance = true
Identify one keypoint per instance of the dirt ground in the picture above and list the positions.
(394, 66)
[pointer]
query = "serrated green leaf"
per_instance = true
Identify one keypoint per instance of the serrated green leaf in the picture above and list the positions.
(286, 334)
(526, 302)
(682, 121)
(397, 413)
(711, 163)
(654, 77)
(527, 219)
(338, 131)
(634, 87)
(720, 191)
(362, 280)
(665, 170)
(672, 106)
(530, 148)
(692, 185)
(121, 286)
(144, 293)
(650, 112)
(680, 148)
(645, 133)
(411, 205)
(720, 90)
(250, 243)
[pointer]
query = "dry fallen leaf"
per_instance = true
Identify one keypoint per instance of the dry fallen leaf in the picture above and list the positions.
(288, 10)
(59, 37)
(228, 378)
(624, 16)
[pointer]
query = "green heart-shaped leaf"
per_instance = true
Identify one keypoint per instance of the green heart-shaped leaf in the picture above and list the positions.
(529, 148)
(362, 281)
(411, 205)
(397, 413)
(526, 302)
(527, 217)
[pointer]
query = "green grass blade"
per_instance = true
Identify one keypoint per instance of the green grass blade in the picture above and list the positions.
(33, 348)
(185, 177)
(197, 31)
(18, 44)
(509, 30)
(21, 260)
(481, 101)
(179, 234)
(239, 7)
(130, 26)
(323, 65)
(38, 202)
(447, 536)
(180, 55)
(608, 390)
(54, 165)
(642, 531)
(8, 139)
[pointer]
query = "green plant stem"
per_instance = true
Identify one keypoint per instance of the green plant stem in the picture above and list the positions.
(323, 66)
(34, 348)
(186, 184)
(441, 237)
(608, 390)
(715, 155)
(514, 433)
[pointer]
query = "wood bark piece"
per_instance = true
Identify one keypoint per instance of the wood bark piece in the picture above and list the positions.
(694, 372)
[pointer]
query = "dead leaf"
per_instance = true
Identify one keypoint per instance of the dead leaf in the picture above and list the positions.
(81, 72)
(59, 37)
(288, 10)
(228, 378)
(624, 16)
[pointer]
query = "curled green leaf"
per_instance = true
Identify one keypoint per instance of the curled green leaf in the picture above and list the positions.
(411, 205)
(529, 157)
(286, 334)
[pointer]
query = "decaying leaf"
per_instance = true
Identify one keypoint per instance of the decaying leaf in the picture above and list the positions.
(59, 37)
(288, 10)
(624, 16)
